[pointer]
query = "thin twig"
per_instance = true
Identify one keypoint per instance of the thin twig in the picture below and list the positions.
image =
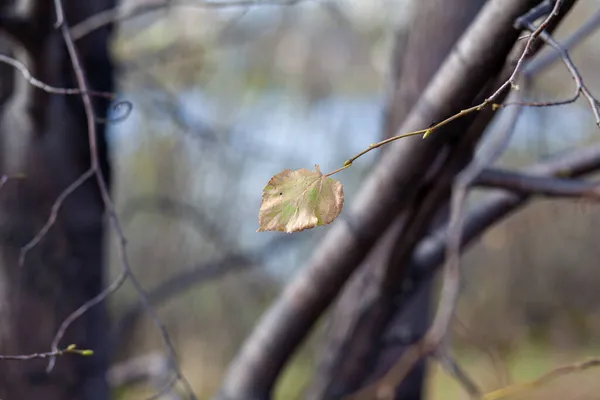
(152, 368)
(165, 390)
(166, 206)
(99, 298)
(54, 214)
(550, 376)
(452, 366)
(19, 66)
(535, 33)
(500, 369)
(95, 167)
(26, 357)
(540, 63)
(580, 90)
(430, 253)
(510, 82)
(184, 280)
(425, 132)
(581, 87)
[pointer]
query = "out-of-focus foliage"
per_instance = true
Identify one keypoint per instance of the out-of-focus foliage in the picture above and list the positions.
(225, 99)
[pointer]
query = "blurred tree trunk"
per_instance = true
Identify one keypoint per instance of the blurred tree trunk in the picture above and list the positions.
(435, 28)
(44, 137)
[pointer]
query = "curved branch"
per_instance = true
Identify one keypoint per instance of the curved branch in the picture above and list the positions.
(521, 183)
(102, 184)
(429, 255)
(539, 64)
(484, 46)
(182, 281)
(489, 211)
(169, 207)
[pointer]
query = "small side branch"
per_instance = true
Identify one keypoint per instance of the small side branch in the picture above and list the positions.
(537, 185)
(452, 366)
(541, 63)
(96, 171)
(37, 356)
(430, 253)
(581, 88)
(151, 368)
(550, 376)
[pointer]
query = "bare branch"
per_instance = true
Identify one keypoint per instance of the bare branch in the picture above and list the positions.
(167, 389)
(19, 66)
(169, 207)
(540, 63)
(512, 81)
(500, 368)
(550, 376)
(521, 23)
(182, 281)
(178, 284)
(54, 214)
(452, 366)
(485, 45)
(153, 368)
(536, 185)
(26, 357)
(580, 90)
(85, 307)
(97, 171)
(430, 253)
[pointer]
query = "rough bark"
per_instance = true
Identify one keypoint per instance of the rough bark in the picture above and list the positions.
(44, 137)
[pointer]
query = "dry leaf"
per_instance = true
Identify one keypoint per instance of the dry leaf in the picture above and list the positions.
(297, 200)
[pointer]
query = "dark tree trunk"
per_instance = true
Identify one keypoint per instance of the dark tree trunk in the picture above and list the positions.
(435, 28)
(44, 138)
(387, 304)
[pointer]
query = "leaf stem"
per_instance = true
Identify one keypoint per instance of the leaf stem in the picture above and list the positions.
(424, 132)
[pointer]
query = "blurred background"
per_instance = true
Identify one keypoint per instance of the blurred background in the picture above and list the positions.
(225, 98)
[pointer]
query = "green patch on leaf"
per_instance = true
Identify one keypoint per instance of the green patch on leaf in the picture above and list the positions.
(297, 200)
